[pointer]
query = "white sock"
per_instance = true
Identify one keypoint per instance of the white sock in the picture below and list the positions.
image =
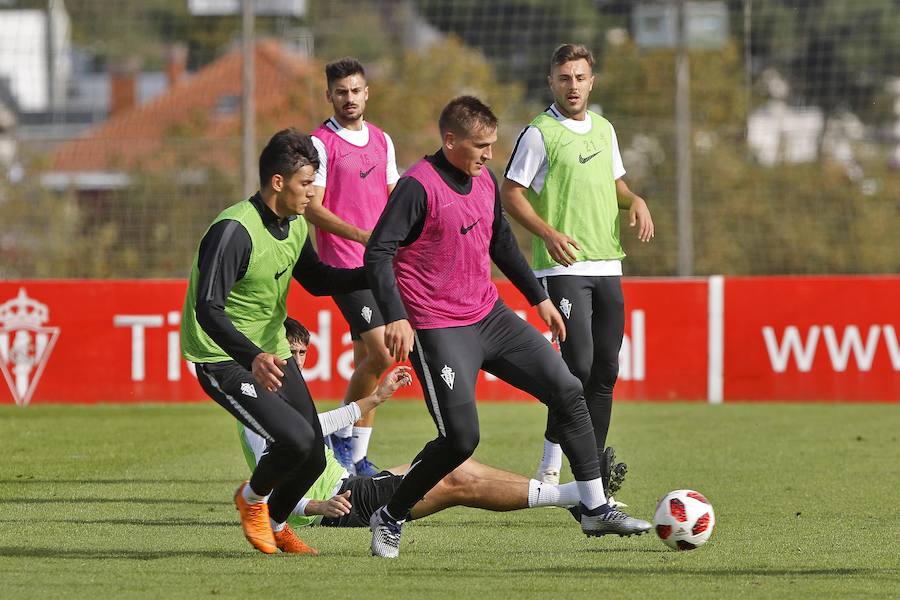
(344, 432)
(541, 494)
(591, 493)
(547, 494)
(360, 444)
(276, 527)
(569, 494)
(552, 457)
(252, 497)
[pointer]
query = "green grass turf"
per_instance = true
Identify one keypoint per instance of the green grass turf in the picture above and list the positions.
(135, 501)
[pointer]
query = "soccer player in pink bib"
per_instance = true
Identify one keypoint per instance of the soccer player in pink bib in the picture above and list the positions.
(429, 266)
(357, 172)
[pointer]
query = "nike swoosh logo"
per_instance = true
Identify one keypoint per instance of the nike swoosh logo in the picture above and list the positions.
(566, 144)
(464, 230)
(380, 477)
(365, 174)
(584, 159)
(280, 273)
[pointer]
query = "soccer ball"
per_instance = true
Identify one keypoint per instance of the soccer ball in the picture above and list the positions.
(684, 519)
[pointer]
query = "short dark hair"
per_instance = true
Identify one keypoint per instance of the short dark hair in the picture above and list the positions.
(344, 67)
(295, 331)
(466, 114)
(285, 154)
(569, 52)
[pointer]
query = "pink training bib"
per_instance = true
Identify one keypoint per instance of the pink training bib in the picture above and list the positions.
(444, 277)
(355, 191)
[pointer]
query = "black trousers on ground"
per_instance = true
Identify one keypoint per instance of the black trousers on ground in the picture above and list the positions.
(447, 362)
(286, 419)
(594, 309)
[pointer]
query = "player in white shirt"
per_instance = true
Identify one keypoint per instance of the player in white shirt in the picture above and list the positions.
(564, 184)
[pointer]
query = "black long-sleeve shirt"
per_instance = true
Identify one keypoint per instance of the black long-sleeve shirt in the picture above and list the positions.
(222, 261)
(401, 224)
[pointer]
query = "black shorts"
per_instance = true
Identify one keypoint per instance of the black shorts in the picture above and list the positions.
(367, 494)
(360, 311)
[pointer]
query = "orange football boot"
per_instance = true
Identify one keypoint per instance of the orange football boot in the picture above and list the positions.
(255, 522)
(287, 541)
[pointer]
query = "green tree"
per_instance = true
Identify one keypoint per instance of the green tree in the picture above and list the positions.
(408, 95)
(528, 32)
(836, 54)
(748, 218)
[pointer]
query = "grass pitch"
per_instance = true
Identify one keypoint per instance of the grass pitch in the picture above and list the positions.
(135, 502)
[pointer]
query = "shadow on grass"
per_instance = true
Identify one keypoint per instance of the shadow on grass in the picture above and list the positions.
(676, 570)
(625, 550)
(85, 554)
(47, 480)
(70, 500)
(502, 521)
(174, 522)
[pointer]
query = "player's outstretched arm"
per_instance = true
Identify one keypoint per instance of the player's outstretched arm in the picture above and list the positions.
(341, 417)
(559, 245)
(638, 212)
(320, 279)
(393, 381)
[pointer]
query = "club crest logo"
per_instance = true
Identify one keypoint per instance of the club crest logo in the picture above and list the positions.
(366, 313)
(248, 389)
(565, 307)
(448, 376)
(25, 344)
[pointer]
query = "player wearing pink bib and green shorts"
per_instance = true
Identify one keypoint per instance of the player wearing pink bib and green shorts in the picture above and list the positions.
(564, 184)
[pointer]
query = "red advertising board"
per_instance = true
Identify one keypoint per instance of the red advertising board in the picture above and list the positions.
(663, 354)
(117, 341)
(812, 338)
(831, 339)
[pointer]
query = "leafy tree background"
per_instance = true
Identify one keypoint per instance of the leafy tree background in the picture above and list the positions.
(748, 219)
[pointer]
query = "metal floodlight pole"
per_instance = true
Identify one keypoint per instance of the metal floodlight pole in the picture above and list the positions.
(683, 147)
(248, 110)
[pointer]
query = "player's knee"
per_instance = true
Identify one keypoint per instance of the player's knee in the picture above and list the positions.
(380, 361)
(573, 420)
(567, 393)
(377, 359)
(459, 481)
(581, 369)
(605, 373)
(301, 446)
(462, 446)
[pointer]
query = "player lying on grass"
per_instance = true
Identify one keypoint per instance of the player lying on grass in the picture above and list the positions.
(337, 499)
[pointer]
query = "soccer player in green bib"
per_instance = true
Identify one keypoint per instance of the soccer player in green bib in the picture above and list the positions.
(232, 329)
(564, 184)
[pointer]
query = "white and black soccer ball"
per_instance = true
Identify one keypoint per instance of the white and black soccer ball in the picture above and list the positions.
(684, 519)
